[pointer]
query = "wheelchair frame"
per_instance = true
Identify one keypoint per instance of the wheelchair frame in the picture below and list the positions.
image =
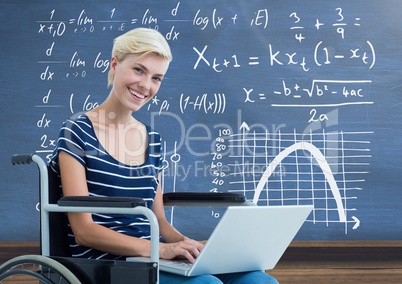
(46, 259)
(65, 267)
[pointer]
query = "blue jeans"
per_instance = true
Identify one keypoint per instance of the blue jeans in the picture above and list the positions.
(253, 277)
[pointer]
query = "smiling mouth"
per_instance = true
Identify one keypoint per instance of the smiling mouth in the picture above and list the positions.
(137, 95)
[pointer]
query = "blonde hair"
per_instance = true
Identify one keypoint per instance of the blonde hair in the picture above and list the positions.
(141, 41)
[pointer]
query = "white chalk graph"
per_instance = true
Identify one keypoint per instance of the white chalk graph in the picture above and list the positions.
(319, 157)
(326, 169)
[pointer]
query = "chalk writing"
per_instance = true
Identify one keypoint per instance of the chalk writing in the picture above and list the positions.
(271, 59)
(216, 104)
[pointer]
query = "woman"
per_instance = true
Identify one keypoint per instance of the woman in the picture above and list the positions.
(107, 152)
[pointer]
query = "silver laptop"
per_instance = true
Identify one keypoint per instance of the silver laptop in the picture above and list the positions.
(247, 238)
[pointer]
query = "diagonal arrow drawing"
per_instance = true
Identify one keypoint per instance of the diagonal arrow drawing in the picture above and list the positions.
(357, 222)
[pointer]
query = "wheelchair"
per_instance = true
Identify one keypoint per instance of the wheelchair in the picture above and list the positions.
(55, 264)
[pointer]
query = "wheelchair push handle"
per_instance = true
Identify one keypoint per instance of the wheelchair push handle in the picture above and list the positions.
(22, 159)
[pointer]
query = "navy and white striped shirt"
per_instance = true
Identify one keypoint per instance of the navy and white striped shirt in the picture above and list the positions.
(108, 177)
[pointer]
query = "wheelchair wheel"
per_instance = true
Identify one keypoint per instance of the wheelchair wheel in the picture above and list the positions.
(35, 269)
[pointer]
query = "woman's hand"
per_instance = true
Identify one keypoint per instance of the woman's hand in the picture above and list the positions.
(187, 248)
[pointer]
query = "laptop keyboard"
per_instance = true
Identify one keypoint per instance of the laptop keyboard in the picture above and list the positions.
(182, 263)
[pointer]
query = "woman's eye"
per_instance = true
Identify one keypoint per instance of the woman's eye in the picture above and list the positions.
(158, 79)
(138, 70)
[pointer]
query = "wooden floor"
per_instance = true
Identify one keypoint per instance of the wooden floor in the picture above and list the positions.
(309, 262)
(346, 262)
(338, 272)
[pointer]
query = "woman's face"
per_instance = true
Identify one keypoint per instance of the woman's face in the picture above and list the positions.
(137, 79)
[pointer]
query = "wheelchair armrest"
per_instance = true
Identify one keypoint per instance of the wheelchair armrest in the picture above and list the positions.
(21, 159)
(203, 199)
(100, 201)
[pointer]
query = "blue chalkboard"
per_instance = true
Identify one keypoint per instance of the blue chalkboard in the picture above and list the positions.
(288, 102)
